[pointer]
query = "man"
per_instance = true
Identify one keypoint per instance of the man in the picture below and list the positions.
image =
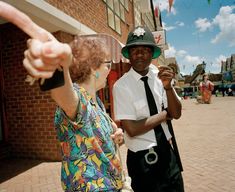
(153, 164)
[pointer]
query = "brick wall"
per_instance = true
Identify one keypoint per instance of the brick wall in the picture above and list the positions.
(30, 112)
(93, 13)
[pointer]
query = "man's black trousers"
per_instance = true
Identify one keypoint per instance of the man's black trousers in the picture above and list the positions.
(163, 176)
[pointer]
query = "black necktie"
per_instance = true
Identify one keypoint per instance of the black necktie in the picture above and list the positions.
(153, 110)
(151, 102)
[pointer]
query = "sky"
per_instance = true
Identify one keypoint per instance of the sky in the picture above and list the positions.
(199, 31)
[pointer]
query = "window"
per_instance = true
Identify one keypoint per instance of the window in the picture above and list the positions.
(148, 20)
(137, 14)
(111, 19)
(110, 4)
(118, 24)
(116, 13)
(116, 7)
(126, 5)
(122, 13)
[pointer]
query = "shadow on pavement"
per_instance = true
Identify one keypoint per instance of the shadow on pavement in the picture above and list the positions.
(11, 167)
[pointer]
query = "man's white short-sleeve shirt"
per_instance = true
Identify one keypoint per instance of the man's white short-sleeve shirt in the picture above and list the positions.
(130, 103)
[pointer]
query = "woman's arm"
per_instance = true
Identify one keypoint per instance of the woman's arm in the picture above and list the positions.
(61, 94)
(44, 55)
(41, 61)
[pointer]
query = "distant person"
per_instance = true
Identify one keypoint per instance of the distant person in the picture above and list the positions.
(206, 88)
(222, 89)
(230, 92)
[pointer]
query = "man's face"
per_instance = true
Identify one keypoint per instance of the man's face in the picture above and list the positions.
(140, 58)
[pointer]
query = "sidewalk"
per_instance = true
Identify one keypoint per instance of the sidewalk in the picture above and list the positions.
(205, 135)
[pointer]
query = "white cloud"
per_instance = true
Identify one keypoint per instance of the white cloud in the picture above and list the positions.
(164, 6)
(203, 24)
(181, 53)
(167, 28)
(219, 59)
(192, 60)
(171, 52)
(215, 66)
(179, 23)
(225, 21)
(186, 62)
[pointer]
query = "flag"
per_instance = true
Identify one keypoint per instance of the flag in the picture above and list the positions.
(156, 11)
(170, 4)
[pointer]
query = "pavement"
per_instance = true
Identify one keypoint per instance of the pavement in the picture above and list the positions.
(205, 134)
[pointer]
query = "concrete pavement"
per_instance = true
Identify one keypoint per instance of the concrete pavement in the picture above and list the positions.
(205, 135)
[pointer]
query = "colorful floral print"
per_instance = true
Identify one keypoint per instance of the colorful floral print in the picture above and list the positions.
(89, 162)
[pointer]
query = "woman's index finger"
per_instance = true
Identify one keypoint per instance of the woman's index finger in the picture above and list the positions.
(22, 21)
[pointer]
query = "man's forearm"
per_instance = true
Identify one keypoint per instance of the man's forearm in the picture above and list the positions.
(138, 127)
(174, 105)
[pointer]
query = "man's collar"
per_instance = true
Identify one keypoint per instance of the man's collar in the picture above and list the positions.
(153, 70)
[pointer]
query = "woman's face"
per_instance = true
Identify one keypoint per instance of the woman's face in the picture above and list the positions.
(103, 72)
(205, 78)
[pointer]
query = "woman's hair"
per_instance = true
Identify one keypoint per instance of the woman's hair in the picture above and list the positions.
(88, 53)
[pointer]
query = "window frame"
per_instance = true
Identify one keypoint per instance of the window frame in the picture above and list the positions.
(116, 13)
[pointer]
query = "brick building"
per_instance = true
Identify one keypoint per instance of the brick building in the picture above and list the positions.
(26, 124)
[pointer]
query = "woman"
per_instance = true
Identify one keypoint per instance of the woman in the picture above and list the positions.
(206, 88)
(84, 130)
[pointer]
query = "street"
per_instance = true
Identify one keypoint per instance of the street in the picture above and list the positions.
(205, 134)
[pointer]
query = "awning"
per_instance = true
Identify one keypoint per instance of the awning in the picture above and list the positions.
(113, 45)
(49, 17)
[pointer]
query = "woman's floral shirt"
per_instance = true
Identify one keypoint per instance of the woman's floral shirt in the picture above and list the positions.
(89, 162)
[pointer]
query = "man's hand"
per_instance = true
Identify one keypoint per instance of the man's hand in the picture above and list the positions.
(166, 75)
